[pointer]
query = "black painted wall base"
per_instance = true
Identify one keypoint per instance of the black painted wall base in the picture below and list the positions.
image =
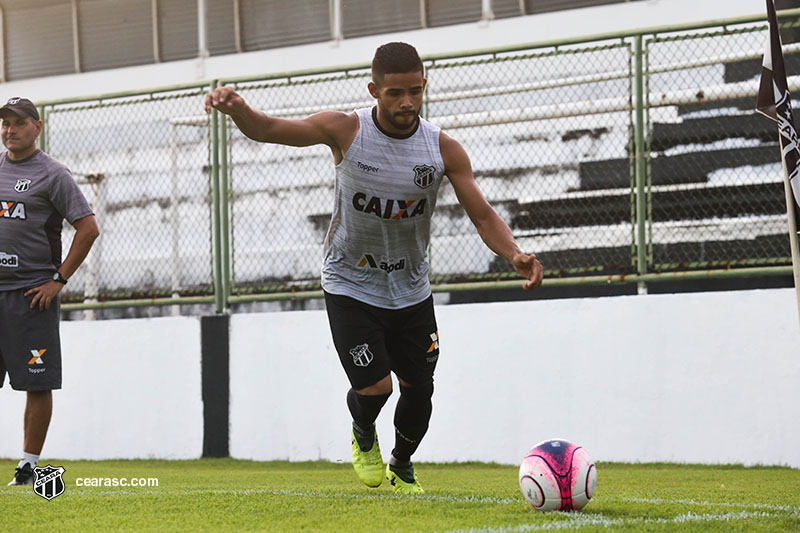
(215, 359)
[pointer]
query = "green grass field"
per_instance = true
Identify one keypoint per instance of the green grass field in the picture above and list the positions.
(231, 495)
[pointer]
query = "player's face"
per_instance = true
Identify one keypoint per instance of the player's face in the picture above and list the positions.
(399, 99)
(19, 135)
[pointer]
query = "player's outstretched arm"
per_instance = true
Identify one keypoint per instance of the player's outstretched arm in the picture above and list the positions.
(492, 229)
(332, 128)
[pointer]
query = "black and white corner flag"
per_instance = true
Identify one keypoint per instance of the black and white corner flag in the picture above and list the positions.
(774, 101)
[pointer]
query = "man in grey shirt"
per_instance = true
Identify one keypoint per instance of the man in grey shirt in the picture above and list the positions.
(36, 194)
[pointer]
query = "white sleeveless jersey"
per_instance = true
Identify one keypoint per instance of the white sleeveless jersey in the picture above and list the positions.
(376, 249)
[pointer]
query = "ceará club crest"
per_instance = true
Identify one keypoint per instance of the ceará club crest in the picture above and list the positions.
(423, 176)
(23, 184)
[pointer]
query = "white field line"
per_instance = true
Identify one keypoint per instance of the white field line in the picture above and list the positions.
(567, 521)
(490, 500)
(767, 506)
(480, 500)
(580, 521)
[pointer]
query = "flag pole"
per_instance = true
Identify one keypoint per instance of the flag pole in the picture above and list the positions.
(774, 102)
(793, 236)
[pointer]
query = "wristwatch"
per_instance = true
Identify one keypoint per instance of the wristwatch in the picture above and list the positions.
(59, 278)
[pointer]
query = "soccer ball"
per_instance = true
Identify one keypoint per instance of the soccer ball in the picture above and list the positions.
(557, 475)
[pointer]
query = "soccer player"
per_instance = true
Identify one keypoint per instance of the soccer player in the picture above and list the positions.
(389, 165)
(36, 194)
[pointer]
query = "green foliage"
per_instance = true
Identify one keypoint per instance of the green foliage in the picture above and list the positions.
(233, 495)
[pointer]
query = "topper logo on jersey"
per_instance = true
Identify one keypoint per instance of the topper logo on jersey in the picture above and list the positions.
(12, 210)
(367, 168)
(9, 260)
(388, 209)
(423, 176)
(23, 184)
(387, 266)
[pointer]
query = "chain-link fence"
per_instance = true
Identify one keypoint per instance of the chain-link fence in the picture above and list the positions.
(186, 209)
(529, 120)
(535, 125)
(143, 163)
(715, 181)
(281, 196)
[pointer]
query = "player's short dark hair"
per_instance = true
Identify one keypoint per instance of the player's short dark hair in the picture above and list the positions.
(395, 58)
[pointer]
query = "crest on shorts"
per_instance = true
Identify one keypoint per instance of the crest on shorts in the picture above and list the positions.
(423, 176)
(47, 482)
(23, 184)
(361, 355)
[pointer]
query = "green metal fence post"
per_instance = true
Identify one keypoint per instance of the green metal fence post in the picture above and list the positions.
(224, 198)
(43, 144)
(216, 229)
(647, 154)
(641, 170)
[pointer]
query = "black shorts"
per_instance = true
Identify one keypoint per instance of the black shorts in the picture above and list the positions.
(372, 341)
(30, 346)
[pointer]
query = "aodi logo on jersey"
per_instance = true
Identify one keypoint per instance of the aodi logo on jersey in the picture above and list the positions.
(389, 209)
(387, 266)
(423, 176)
(23, 184)
(9, 260)
(12, 210)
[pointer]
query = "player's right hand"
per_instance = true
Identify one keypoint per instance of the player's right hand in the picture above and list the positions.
(225, 100)
(529, 268)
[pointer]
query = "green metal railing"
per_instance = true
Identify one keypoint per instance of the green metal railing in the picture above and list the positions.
(582, 130)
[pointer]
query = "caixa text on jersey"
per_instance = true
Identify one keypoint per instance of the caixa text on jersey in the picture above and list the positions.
(391, 209)
(12, 210)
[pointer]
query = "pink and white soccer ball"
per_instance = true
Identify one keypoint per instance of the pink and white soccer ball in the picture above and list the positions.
(557, 475)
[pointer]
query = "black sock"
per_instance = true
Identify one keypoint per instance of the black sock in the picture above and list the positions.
(404, 470)
(411, 419)
(364, 410)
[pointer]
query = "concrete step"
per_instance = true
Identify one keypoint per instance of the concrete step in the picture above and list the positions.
(712, 129)
(690, 167)
(675, 202)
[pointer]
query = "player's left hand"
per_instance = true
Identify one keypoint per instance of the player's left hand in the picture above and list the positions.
(44, 294)
(529, 268)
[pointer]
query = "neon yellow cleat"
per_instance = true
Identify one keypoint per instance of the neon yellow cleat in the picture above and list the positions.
(368, 464)
(399, 486)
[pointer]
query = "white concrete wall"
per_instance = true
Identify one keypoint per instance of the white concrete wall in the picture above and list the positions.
(131, 390)
(707, 378)
(502, 32)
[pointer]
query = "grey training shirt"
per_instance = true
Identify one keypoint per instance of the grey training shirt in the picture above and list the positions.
(36, 194)
(376, 249)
